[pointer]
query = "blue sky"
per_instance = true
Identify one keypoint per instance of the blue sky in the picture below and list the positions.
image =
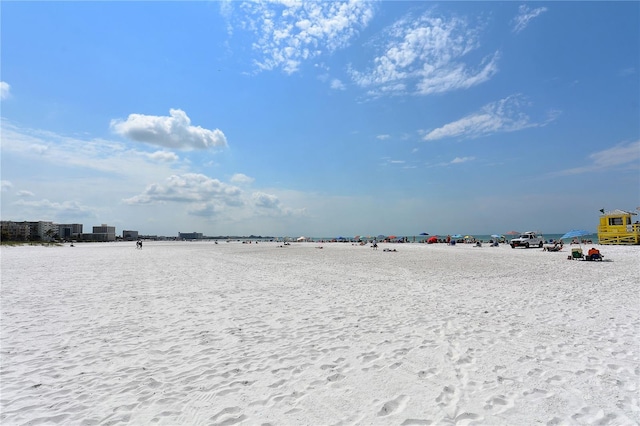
(320, 118)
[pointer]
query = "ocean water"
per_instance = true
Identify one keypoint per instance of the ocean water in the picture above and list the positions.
(480, 237)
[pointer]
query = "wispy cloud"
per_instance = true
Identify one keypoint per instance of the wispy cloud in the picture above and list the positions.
(336, 84)
(505, 115)
(174, 131)
(289, 32)
(241, 179)
(53, 210)
(622, 155)
(383, 137)
(627, 71)
(5, 89)
(459, 160)
(426, 55)
(97, 157)
(525, 15)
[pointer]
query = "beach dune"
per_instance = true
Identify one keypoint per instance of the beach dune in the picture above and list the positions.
(230, 333)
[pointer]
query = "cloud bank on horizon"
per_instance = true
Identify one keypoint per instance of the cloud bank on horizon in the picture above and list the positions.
(321, 118)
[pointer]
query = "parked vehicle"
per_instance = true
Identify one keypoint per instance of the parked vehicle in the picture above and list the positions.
(528, 239)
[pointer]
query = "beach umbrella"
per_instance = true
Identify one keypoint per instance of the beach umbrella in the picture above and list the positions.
(423, 233)
(456, 236)
(512, 233)
(575, 233)
(496, 236)
(432, 240)
(392, 237)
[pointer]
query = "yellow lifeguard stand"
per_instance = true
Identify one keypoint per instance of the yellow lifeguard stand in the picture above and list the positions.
(616, 227)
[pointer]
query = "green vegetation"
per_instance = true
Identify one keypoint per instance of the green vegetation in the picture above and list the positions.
(30, 243)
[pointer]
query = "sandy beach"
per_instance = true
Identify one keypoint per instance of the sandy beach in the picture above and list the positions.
(186, 333)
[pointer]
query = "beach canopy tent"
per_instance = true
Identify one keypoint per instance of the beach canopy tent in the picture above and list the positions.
(432, 240)
(302, 239)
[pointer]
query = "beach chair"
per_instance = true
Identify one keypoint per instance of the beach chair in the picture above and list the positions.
(576, 253)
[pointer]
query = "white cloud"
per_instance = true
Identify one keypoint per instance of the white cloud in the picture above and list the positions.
(5, 185)
(188, 187)
(459, 160)
(504, 115)
(622, 155)
(290, 32)
(207, 197)
(525, 15)
(53, 210)
(25, 193)
(383, 137)
(5, 89)
(97, 155)
(425, 55)
(241, 179)
(337, 84)
(264, 200)
(174, 132)
(164, 156)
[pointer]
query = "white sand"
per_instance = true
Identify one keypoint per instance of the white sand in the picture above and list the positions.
(197, 333)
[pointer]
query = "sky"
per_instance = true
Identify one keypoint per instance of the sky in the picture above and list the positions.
(289, 118)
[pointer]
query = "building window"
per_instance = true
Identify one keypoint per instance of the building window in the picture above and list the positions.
(613, 221)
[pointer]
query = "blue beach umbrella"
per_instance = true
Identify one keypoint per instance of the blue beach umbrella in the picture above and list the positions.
(575, 233)
(456, 236)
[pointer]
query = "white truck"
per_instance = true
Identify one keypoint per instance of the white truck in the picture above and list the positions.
(528, 239)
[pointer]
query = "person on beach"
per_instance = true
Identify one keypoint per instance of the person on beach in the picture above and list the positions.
(375, 245)
(594, 254)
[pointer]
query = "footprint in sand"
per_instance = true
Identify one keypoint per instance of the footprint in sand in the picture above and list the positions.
(394, 406)
(416, 422)
(424, 374)
(335, 377)
(499, 404)
(447, 397)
